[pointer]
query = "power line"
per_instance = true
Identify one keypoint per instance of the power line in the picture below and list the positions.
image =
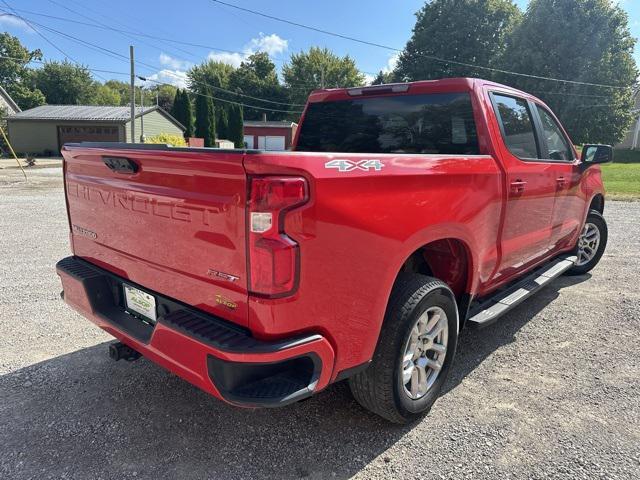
(136, 21)
(36, 31)
(158, 82)
(41, 35)
(98, 24)
(130, 34)
(119, 56)
(394, 49)
(244, 105)
(230, 101)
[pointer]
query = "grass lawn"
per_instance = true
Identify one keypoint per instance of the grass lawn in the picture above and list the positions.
(622, 180)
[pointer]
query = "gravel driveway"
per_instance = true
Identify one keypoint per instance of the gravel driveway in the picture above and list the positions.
(552, 390)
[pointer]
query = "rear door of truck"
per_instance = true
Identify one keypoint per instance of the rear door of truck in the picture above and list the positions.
(171, 220)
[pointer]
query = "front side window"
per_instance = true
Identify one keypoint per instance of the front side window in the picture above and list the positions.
(517, 126)
(557, 144)
(440, 123)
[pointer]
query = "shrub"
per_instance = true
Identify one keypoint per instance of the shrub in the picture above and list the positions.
(175, 140)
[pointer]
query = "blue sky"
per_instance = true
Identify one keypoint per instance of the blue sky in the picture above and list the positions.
(219, 27)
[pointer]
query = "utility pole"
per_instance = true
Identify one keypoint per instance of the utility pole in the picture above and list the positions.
(132, 95)
(141, 115)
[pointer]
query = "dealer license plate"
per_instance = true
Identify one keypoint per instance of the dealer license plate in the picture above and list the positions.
(140, 302)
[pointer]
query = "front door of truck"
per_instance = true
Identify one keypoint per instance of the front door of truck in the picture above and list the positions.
(530, 187)
(557, 151)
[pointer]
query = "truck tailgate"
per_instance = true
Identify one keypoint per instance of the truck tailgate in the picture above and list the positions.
(175, 225)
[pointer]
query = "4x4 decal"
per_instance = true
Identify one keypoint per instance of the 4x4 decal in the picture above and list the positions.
(344, 165)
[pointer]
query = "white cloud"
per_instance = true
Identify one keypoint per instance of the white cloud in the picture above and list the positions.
(271, 44)
(234, 59)
(177, 78)
(176, 71)
(392, 61)
(368, 79)
(174, 63)
(10, 20)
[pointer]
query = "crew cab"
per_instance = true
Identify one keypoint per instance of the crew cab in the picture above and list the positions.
(403, 214)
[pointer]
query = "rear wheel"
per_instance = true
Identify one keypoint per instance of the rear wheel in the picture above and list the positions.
(414, 353)
(591, 243)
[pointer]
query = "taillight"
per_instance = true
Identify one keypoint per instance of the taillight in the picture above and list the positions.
(273, 256)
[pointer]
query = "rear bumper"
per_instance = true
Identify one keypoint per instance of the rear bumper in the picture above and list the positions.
(221, 358)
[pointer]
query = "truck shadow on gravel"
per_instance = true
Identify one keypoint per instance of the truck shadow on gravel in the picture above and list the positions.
(81, 415)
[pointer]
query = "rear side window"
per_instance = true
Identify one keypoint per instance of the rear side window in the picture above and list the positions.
(517, 125)
(557, 144)
(430, 123)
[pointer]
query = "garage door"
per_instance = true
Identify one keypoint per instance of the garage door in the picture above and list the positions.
(87, 134)
(274, 143)
(248, 141)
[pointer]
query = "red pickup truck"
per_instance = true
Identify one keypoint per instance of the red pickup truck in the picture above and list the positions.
(404, 213)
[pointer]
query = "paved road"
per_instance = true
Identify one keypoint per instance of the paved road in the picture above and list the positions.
(551, 391)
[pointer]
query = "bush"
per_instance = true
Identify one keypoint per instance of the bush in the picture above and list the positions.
(175, 140)
(626, 156)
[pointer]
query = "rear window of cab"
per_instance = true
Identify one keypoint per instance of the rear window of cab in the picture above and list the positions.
(439, 123)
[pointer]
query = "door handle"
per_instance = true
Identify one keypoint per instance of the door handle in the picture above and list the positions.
(121, 165)
(517, 186)
(561, 181)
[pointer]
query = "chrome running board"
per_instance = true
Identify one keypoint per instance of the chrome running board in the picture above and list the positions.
(492, 308)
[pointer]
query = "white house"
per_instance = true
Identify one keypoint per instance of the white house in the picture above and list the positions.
(632, 139)
(7, 105)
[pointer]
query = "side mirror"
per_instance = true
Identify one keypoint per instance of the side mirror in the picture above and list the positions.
(592, 154)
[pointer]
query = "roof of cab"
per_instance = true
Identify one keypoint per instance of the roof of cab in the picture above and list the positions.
(443, 85)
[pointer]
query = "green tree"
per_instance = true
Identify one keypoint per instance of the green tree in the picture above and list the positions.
(212, 78)
(183, 111)
(222, 120)
(383, 77)
(15, 75)
(64, 83)
(164, 94)
(201, 77)
(122, 88)
(257, 77)
(25, 96)
(105, 95)
(583, 40)
(188, 115)
(468, 31)
(318, 68)
(178, 107)
(205, 120)
(236, 126)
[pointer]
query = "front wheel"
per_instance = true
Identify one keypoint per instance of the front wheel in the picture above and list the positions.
(414, 353)
(591, 243)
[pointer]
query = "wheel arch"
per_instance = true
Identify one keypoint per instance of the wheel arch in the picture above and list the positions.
(597, 203)
(448, 259)
(412, 259)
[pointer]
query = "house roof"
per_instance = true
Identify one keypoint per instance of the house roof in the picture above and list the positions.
(78, 112)
(270, 124)
(9, 100)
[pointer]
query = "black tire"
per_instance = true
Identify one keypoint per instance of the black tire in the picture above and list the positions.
(596, 219)
(380, 387)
